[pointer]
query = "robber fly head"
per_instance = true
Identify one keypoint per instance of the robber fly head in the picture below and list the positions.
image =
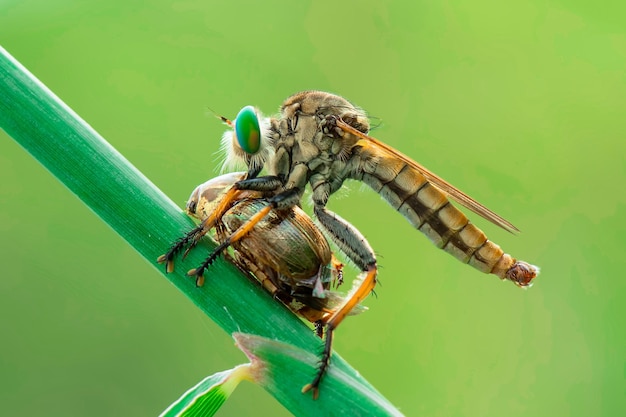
(246, 144)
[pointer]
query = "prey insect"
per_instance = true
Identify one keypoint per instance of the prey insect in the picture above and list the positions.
(284, 251)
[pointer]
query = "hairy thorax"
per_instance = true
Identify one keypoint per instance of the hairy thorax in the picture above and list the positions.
(306, 134)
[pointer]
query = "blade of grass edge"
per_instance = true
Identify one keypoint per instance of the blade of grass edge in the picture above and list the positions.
(141, 214)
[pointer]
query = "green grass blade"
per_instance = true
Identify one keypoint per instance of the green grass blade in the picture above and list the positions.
(149, 221)
(208, 395)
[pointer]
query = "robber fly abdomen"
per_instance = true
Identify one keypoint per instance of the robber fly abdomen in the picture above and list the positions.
(429, 210)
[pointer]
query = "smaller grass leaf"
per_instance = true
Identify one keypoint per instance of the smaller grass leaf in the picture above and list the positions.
(208, 395)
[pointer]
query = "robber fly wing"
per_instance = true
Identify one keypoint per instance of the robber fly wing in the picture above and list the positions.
(454, 193)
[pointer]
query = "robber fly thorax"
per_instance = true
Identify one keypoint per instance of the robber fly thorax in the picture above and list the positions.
(320, 139)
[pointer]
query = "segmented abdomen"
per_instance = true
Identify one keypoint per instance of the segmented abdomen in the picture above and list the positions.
(429, 210)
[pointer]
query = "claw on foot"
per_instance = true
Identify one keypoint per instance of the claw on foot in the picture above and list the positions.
(169, 264)
(198, 274)
(309, 387)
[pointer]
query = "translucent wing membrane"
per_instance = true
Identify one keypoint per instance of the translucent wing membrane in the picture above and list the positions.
(454, 193)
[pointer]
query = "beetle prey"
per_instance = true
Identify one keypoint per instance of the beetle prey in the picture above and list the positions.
(321, 139)
(285, 251)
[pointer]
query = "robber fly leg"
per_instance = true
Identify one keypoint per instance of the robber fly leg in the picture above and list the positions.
(284, 199)
(188, 240)
(337, 317)
(324, 363)
(347, 237)
(266, 183)
(191, 238)
(319, 328)
(237, 235)
(355, 246)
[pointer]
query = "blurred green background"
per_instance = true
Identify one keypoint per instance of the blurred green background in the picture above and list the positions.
(521, 105)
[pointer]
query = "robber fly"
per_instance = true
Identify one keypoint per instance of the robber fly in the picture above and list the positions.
(322, 140)
(284, 251)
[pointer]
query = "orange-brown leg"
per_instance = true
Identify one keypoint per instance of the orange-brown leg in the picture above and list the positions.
(364, 289)
(356, 247)
(236, 236)
(287, 198)
(191, 239)
(314, 386)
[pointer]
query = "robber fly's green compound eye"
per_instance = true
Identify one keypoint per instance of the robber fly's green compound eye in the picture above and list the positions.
(247, 130)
